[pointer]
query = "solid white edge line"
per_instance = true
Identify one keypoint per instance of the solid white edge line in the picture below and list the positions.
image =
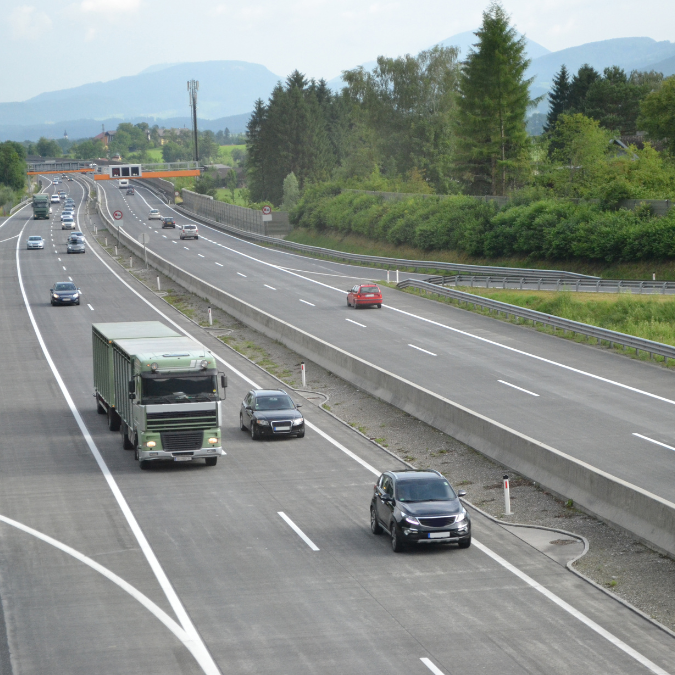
(651, 440)
(356, 322)
(508, 384)
(2, 241)
(124, 585)
(426, 351)
(434, 669)
(611, 638)
(194, 642)
(657, 670)
(298, 531)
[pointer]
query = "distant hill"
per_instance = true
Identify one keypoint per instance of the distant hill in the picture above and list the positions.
(667, 67)
(226, 88)
(87, 128)
(628, 53)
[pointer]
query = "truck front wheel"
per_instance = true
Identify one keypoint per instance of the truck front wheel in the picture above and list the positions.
(211, 461)
(114, 420)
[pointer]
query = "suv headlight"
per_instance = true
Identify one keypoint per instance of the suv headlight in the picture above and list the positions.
(297, 422)
(263, 423)
(460, 517)
(56, 297)
(410, 519)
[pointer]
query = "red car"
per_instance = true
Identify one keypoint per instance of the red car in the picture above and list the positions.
(364, 294)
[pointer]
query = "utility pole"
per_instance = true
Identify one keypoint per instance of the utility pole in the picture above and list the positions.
(193, 88)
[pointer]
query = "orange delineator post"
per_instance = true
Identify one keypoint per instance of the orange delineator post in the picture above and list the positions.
(150, 174)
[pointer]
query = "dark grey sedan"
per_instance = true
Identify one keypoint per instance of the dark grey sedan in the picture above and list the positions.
(65, 293)
(75, 245)
(269, 413)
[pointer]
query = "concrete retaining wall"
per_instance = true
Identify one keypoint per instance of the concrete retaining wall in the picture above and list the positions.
(645, 515)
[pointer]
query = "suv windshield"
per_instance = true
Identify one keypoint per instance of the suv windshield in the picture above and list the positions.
(64, 286)
(281, 402)
(424, 490)
(182, 388)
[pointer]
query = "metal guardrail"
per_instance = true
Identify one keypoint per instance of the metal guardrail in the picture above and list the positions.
(20, 205)
(399, 263)
(613, 337)
(540, 283)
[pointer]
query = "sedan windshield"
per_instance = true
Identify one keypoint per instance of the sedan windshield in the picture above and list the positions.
(34, 238)
(369, 289)
(65, 286)
(183, 388)
(431, 490)
(281, 402)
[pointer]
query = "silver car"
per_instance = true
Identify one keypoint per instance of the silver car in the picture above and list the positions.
(67, 223)
(35, 242)
(155, 215)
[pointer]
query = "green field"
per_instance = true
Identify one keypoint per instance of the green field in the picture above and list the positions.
(351, 243)
(225, 154)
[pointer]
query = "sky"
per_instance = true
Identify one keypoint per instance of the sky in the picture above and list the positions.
(49, 45)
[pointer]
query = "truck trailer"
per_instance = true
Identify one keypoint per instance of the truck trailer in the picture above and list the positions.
(41, 206)
(160, 390)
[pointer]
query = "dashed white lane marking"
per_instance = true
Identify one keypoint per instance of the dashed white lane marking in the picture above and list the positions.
(422, 350)
(70, 278)
(165, 237)
(298, 531)
(90, 307)
(357, 323)
(307, 303)
(272, 287)
(64, 269)
(59, 259)
(219, 265)
(241, 275)
(434, 669)
(174, 242)
(186, 248)
(201, 256)
(651, 440)
(508, 384)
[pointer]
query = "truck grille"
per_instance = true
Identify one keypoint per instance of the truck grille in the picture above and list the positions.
(437, 521)
(182, 420)
(189, 440)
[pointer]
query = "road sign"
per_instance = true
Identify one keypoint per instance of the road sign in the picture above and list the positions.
(266, 210)
(117, 215)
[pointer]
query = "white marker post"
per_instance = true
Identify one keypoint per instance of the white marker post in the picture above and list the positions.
(507, 497)
(210, 317)
(159, 288)
(387, 276)
(303, 373)
(396, 276)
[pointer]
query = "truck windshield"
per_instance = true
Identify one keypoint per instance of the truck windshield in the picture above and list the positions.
(182, 389)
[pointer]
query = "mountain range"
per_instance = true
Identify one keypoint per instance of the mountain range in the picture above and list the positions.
(228, 89)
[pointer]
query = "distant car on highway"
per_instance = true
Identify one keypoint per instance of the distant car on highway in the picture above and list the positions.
(67, 222)
(35, 242)
(67, 214)
(169, 221)
(69, 178)
(363, 295)
(154, 215)
(270, 413)
(130, 191)
(75, 245)
(189, 232)
(65, 293)
(76, 235)
(54, 199)
(419, 507)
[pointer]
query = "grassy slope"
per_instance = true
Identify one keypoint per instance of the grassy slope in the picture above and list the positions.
(665, 271)
(225, 153)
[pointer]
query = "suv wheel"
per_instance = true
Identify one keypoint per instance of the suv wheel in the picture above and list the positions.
(396, 543)
(375, 526)
(241, 422)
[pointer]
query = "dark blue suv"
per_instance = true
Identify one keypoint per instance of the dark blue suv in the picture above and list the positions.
(419, 507)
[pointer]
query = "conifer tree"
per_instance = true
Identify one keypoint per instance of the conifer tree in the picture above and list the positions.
(579, 87)
(558, 98)
(492, 141)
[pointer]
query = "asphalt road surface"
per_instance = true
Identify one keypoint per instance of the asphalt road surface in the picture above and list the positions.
(615, 413)
(188, 569)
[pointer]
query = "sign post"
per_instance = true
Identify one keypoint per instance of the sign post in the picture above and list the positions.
(118, 215)
(144, 239)
(266, 213)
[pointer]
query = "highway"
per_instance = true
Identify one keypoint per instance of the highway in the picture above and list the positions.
(190, 569)
(614, 413)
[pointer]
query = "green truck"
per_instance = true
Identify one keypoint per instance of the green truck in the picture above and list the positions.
(41, 206)
(160, 389)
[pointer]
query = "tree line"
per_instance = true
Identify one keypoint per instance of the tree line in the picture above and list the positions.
(445, 126)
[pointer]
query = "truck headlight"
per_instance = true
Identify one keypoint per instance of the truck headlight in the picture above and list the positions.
(151, 444)
(213, 441)
(298, 421)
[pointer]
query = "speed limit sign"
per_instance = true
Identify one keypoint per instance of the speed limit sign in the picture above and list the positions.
(117, 215)
(266, 210)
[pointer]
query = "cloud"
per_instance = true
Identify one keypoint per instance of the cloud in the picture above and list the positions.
(109, 6)
(29, 23)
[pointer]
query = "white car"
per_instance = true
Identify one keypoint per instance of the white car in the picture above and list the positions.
(189, 232)
(67, 223)
(67, 215)
(35, 242)
(155, 215)
(55, 199)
